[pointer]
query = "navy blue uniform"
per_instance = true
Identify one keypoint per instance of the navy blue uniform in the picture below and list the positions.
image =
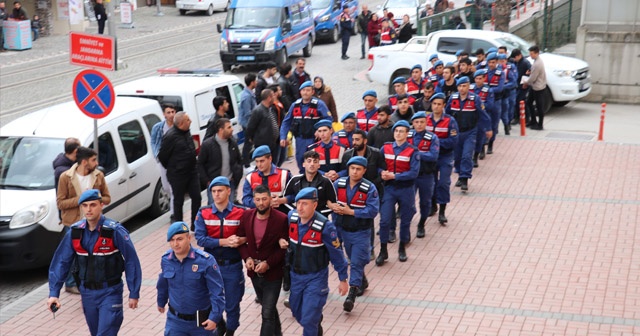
(355, 231)
(509, 93)
(429, 147)
(311, 246)
(346, 28)
(487, 97)
(102, 255)
(184, 285)
(495, 79)
(447, 131)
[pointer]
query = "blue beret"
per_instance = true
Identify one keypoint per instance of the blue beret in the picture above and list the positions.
(370, 93)
(491, 56)
(438, 95)
(432, 57)
(399, 80)
(306, 84)
(321, 123)
(459, 52)
(436, 64)
(221, 180)
(307, 193)
(89, 195)
(260, 151)
(401, 123)
(417, 66)
(462, 80)
(480, 72)
(359, 160)
(177, 228)
(492, 50)
(502, 56)
(350, 115)
(449, 64)
(418, 115)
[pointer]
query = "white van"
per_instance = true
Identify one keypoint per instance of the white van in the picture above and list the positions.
(29, 222)
(192, 92)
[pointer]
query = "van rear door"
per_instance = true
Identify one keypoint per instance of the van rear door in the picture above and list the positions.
(110, 158)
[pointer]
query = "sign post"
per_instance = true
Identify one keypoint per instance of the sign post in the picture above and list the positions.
(95, 51)
(95, 97)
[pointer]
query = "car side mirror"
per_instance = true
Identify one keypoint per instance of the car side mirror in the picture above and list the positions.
(219, 28)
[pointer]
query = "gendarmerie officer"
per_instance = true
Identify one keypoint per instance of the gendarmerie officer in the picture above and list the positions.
(416, 83)
(357, 206)
(303, 114)
(403, 166)
(216, 227)
(344, 137)
(330, 152)
(446, 128)
(495, 78)
(467, 108)
(269, 175)
(482, 90)
(102, 249)
(509, 92)
(428, 146)
(313, 242)
(367, 117)
(191, 283)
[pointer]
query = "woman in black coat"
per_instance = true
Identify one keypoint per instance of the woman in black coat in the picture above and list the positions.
(405, 31)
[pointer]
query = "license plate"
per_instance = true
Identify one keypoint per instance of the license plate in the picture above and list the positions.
(246, 58)
(188, 6)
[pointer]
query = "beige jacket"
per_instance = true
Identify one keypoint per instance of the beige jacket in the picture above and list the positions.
(538, 78)
(69, 192)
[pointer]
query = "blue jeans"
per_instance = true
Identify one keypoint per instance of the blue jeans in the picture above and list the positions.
(363, 41)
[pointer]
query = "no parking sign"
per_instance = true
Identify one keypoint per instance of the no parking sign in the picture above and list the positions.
(94, 94)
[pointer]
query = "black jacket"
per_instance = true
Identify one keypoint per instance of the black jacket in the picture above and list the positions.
(363, 21)
(211, 126)
(60, 165)
(375, 161)
(289, 93)
(377, 136)
(100, 12)
(210, 161)
(261, 85)
(259, 129)
(405, 33)
(326, 191)
(178, 153)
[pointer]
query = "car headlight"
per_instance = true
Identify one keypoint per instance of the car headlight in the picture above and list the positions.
(325, 18)
(29, 215)
(564, 73)
(270, 43)
(224, 45)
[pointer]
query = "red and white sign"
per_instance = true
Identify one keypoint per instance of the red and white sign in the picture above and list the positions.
(92, 51)
(126, 13)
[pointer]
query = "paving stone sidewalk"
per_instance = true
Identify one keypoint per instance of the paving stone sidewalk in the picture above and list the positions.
(543, 244)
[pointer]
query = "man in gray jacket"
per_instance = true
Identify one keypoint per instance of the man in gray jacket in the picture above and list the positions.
(538, 83)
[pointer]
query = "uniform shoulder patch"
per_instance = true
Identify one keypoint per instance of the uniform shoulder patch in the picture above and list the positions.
(342, 182)
(202, 253)
(336, 243)
(427, 136)
(167, 252)
(342, 134)
(294, 217)
(317, 225)
(298, 101)
(365, 185)
(314, 100)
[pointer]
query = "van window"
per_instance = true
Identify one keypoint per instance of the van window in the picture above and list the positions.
(150, 120)
(133, 140)
(237, 90)
(296, 16)
(449, 45)
(476, 44)
(304, 9)
(173, 100)
(253, 17)
(224, 91)
(204, 106)
(107, 156)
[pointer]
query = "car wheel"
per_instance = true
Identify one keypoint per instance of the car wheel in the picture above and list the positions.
(160, 202)
(335, 34)
(210, 10)
(560, 103)
(282, 57)
(306, 51)
(400, 72)
(183, 11)
(548, 99)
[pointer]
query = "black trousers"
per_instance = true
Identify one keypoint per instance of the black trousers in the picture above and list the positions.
(101, 26)
(246, 150)
(536, 110)
(346, 36)
(268, 292)
(180, 185)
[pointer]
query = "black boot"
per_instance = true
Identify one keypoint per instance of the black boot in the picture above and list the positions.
(384, 255)
(221, 328)
(364, 286)
(490, 147)
(459, 182)
(402, 253)
(441, 217)
(421, 233)
(475, 159)
(351, 299)
(230, 332)
(482, 154)
(507, 129)
(434, 207)
(320, 330)
(392, 236)
(464, 186)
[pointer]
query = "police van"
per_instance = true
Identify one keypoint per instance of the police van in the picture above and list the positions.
(191, 91)
(258, 31)
(30, 228)
(326, 14)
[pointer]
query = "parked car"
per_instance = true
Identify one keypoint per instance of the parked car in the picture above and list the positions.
(326, 14)
(258, 31)
(191, 91)
(209, 6)
(568, 78)
(30, 228)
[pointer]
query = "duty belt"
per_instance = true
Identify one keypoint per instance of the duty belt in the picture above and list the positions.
(189, 317)
(226, 262)
(101, 285)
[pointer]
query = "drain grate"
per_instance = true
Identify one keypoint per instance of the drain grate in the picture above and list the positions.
(571, 136)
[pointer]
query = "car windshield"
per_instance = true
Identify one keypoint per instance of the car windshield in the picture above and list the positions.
(25, 163)
(262, 17)
(320, 4)
(400, 4)
(513, 42)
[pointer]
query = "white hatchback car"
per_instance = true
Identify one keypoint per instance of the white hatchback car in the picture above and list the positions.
(209, 6)
(29, 221)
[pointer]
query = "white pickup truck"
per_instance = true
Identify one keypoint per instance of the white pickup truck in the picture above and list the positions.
(568, 78)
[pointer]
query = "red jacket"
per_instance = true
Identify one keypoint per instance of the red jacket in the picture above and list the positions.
(270, 251)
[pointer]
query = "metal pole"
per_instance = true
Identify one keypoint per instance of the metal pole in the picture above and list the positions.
(95, 137)
(111, 25)
(544, 26)
(159, 8)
